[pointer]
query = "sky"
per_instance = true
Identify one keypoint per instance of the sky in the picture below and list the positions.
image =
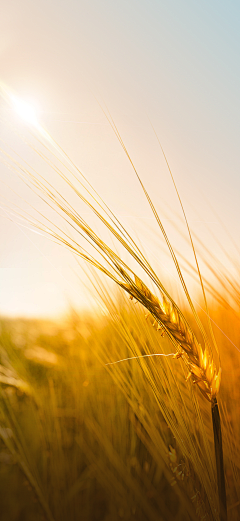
(173, 65)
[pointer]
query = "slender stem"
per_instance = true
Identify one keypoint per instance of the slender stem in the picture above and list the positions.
(219, 461)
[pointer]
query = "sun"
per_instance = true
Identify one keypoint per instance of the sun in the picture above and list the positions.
(26, 111)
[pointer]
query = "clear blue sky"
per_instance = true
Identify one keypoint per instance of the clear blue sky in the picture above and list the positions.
(175, 62)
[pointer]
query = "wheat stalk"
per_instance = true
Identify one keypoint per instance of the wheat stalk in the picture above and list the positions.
(199, 362)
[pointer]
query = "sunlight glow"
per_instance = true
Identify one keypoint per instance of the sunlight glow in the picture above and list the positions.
(25, 111)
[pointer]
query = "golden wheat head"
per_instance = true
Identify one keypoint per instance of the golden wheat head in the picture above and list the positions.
(199, 361)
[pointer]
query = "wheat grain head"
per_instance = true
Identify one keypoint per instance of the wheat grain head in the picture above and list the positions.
(199, 360)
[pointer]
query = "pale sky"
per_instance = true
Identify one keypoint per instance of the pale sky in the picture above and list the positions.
(174, 63)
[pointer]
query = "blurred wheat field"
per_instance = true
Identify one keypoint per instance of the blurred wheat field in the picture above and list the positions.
(81, 440)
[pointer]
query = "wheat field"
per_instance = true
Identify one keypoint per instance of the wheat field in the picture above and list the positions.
(81, 440)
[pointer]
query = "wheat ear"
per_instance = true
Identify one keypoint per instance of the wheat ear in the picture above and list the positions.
(166, 315)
